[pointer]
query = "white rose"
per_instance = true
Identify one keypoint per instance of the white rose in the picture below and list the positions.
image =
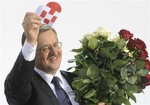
(103, 32)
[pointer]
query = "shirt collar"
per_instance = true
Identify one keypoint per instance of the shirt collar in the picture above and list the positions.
(48, 77)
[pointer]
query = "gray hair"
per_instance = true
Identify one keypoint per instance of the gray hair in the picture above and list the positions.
(43, 28)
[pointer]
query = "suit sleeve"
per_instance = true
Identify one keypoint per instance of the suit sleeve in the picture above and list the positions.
(18, 82)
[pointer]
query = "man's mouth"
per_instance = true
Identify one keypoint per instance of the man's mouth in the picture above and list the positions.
(53, 58)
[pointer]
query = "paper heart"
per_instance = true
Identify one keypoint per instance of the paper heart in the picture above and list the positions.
(49, 13)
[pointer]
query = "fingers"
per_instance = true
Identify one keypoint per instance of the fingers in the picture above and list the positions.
(31, 20)
(31, 14)
(101, 103)
(31, 25)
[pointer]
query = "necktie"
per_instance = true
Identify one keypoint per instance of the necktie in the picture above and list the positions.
(61, 94)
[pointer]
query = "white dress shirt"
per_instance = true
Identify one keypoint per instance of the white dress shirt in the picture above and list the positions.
(29, 54)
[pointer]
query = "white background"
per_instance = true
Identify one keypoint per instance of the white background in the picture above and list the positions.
(77, 18)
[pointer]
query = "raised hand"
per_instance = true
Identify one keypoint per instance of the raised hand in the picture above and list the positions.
(31, 25)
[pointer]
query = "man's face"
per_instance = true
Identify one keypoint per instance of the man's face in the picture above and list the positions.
(49, 53)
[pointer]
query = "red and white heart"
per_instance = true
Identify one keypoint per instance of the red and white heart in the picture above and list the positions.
(49, 13)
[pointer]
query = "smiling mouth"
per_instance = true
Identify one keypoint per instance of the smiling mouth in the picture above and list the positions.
(53, 58)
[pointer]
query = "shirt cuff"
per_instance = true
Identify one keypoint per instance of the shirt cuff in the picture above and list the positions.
(28, 51)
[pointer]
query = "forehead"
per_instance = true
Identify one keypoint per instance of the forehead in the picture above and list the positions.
(47, 37)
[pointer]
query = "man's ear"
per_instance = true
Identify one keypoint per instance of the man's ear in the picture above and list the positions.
(23, 38)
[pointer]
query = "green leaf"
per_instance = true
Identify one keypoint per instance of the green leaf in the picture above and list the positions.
(92, 56)
(94, 100)
(81, 73)
(143, 72)
(89, 36)
(112, 81)
(121, 43)
(86, 81)
(84, 42)
(93, 71)
(140, 64)
(83, 89)
(77, 84)
(79, 58)
(131, 69)
(123, 73)
(113, 54)
(90, 93)
(106, 52)
(132, 88)
(118, 63)
(93, 42)
(132, 79)
(109, 78)
(110, 45)
(124, 100)
(130, 95)
(77, 50)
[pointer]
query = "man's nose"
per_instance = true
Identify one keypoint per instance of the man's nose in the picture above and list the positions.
(53, 50)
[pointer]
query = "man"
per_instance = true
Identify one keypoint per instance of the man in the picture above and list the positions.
(30, 81)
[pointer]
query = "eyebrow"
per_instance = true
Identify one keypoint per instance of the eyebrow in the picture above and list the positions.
(49, 44)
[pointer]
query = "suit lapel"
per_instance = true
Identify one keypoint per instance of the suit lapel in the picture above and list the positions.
(68, 76)
(46, 88)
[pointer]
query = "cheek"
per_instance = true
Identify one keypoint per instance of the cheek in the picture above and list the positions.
(41, 56)
(44, 56)
(60, 53)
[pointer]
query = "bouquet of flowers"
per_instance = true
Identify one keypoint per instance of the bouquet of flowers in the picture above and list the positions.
(110, 70)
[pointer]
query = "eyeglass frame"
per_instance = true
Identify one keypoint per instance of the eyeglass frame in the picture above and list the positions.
(56, 45)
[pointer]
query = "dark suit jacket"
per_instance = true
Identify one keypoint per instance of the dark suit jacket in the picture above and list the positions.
(23, 86)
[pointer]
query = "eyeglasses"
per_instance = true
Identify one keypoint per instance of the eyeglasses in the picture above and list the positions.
(56, 45)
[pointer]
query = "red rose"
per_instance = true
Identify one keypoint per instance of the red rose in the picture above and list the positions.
(143, 54)
(147, 64)
(125, 34)
(139, 44)
(147, 82)
(131, 44)
(147, 76)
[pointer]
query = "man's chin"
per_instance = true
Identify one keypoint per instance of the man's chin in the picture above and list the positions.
(53, 68)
